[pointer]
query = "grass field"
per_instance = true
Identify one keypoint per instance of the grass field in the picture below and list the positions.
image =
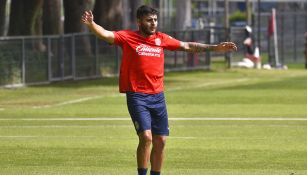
(223, 122)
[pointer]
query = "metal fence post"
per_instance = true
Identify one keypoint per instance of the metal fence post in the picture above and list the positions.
(49, 59)
(23, 63)
(96, 57)
(227, 55)
(305, 50)
(282, 15)
(295, 37)
(208, 54)
(61, 59)
(73, 56)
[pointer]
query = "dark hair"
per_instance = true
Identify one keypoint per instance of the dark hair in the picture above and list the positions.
(145, 10)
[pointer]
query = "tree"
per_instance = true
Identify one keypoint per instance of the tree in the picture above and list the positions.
(248, 5)
(73, 10)
(129, 13)
(2, 16)
(23, 16)
(52, 17)
(183, 14)
(109, 14)
(134, 4)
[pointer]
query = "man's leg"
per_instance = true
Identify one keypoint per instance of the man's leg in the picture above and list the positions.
(157, 153)
(143, 151)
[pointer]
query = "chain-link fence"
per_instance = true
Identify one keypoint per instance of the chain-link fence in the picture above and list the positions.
(37, 60)
(184, 60)
(291, 27)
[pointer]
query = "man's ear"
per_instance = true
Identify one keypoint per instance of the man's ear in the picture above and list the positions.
(138, 22)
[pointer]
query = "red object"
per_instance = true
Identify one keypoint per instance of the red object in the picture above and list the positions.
(271, 26)
(142, 67)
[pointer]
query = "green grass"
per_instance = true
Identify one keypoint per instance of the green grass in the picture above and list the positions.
(74, 147)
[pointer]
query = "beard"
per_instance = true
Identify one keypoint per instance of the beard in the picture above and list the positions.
(147, 31)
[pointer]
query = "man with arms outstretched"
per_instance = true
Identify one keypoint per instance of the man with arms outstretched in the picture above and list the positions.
(141, 78)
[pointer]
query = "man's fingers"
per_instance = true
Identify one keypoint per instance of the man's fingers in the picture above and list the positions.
(229, 45)
(90, 12)
(87, 16)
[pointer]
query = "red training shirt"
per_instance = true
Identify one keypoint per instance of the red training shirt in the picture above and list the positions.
(142, 67)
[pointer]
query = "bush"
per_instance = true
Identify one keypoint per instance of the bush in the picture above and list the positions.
(10, 63)
(237, 16)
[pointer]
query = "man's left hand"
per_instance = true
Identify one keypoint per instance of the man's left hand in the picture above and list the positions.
(226, 47)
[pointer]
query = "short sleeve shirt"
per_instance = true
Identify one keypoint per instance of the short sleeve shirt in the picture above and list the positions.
(142, 67)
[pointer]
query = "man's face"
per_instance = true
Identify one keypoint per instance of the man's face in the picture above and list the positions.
(148, 24)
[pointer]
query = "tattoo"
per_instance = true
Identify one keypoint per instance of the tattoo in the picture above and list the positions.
(199, 47)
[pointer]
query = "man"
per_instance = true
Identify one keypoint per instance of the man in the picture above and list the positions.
(141, 78)
(251, 51)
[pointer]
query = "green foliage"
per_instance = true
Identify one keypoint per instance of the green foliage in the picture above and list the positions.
(147, 2)
(10, 63)
(11, 56)
(237, 16)
(36, 66)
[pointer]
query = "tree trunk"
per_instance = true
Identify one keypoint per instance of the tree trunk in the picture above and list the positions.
(23, 16)
(38, 30)
(16, 27)
(109, 14)
(73, 10)
(183, 14)
(134, 4)
(248, 5)
(129, 13)
(156, 4)
(52, 17)
(2, 16)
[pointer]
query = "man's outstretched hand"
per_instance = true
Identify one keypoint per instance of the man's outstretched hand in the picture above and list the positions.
(87, 17)
(226, 47)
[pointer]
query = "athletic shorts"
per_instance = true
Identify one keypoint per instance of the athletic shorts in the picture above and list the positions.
(148, 112)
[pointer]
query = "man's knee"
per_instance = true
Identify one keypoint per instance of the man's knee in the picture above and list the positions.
(145, 138)
(159, 142)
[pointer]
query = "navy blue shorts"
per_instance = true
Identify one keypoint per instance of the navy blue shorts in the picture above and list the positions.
(148, 112)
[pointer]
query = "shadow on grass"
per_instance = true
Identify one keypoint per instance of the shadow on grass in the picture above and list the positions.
(293, 83)
(105, 81)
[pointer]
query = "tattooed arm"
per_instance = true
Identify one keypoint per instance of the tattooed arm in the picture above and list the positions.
(199, 47)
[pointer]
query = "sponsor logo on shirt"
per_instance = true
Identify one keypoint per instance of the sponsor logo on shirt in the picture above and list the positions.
(146, 50)
(158, 41)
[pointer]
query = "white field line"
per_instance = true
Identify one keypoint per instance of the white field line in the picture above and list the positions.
(2, 109)
(111, 126)
(67, 126)
(239, 119)
(132, 138)
(47, 136)
(125, 138)
(76, 101)
(118, 95)
(29, 136)
(208, 84)
(171, 119)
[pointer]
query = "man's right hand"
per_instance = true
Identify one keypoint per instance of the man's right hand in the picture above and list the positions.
(87, 17)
